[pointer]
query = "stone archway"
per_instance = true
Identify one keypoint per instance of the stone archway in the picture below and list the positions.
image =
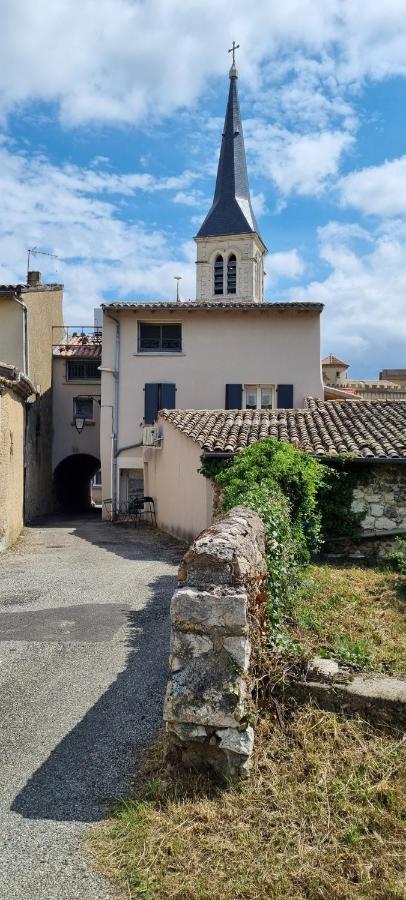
(72, 482)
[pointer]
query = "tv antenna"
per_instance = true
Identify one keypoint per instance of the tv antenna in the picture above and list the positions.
(34, 251)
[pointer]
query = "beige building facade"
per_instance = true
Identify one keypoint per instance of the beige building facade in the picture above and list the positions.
(30, 316)
(15, 389)
(211, 356)
(76, 415)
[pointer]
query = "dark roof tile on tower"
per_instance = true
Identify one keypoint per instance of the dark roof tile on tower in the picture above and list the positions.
(231, 211)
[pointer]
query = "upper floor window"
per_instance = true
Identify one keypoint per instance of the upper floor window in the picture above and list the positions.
(232, 274)
(219, 275)
(258, 396)
(82, 370)
(83, 408)
(159, 338)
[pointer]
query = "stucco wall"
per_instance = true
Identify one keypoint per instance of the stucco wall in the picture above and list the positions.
(12, 418)
(11, 333)
(251, 347)
(44, 312)
(183, 497)
(66, 440)
(382, 499)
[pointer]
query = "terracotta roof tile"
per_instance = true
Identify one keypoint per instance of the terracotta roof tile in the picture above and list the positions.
(373, 429)
(79, 347)
(226, 306)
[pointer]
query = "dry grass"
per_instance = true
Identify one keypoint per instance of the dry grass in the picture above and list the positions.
(354, 613)
(322, 817)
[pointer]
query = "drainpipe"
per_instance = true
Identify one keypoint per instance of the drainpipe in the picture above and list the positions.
(116, 417)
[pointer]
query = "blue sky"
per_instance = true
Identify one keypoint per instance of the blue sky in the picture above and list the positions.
(110, 123)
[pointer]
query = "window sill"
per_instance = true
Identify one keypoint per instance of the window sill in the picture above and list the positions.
(158, 353)
(86, 422)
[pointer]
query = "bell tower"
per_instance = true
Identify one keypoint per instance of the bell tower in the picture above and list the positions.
(230, 250)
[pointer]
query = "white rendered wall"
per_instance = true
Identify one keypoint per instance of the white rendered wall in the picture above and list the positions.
(260, 346)
(183, 497)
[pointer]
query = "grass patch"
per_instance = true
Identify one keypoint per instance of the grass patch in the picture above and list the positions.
(353, 613)
(323, 816)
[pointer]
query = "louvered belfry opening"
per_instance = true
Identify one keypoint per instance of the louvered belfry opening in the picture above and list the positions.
(219, 275)
(232, 274)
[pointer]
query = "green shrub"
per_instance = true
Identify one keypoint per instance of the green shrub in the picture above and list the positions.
(276, 464)
(395, 559)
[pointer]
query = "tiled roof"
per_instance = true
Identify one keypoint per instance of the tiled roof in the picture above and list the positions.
(368, 430)
(226, 306)
(80, 347)
(331, 360)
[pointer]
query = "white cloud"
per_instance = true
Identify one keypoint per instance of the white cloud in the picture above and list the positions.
(285, 264)
(127, 61)
(378, 190)
(258, 201)
(297, 163)
(364, 294)
(64, 210)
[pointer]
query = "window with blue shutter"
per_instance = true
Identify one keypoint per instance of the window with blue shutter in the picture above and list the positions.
(285, 396)
(167, 398)
(233, 396)
(158, 396)
(151, 403)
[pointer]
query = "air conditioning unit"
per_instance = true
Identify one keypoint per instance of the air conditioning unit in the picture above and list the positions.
(151, 436)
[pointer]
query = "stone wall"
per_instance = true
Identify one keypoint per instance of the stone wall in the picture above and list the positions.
(382, 500)
(208, 708)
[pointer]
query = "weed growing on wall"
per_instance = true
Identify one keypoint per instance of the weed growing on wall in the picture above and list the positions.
(281, 484)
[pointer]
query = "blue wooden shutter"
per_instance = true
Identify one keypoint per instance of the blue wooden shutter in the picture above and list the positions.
(233, 396)
(167, 399)
(285, 396)
(151, 403)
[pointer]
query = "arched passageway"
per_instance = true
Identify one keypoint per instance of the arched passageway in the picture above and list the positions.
(72, 482)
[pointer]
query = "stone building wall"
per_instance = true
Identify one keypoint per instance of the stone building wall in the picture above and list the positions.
(208, 707)
(382, 500)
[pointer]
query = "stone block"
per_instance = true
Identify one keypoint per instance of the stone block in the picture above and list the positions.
(185, 647)
(239, 742)
(229, 552)
(358, 506)
(376, 509)
(206, 692)
(368, 523)
(193, 610)
(239, 649)
(322, 668)
(384, 524)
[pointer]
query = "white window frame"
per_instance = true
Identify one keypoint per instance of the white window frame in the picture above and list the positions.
(258, 388)
(97, 484)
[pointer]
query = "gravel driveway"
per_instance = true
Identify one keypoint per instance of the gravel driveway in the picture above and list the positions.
(83, 665)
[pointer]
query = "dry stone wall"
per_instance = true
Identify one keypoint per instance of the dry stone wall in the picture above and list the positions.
(382, 500)
(208, 708)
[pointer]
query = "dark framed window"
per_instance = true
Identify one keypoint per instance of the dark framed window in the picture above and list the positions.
(232, 274)
(83, 370)
(83, 407)
(159, 338)
(219, 275)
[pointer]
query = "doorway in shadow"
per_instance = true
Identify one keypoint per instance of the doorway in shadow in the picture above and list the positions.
(72, 482)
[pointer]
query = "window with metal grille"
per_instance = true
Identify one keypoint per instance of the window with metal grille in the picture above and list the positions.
(232, 275)
(83, 370)
(159, 338)
(219, 275)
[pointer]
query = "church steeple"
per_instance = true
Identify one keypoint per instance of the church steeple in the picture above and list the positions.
(228, 240)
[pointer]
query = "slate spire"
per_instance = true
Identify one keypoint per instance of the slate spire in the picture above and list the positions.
(231, 211)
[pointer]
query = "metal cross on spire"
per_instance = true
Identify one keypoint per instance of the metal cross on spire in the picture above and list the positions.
(233, 49)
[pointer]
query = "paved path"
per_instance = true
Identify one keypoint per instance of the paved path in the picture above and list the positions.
(83, 656)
